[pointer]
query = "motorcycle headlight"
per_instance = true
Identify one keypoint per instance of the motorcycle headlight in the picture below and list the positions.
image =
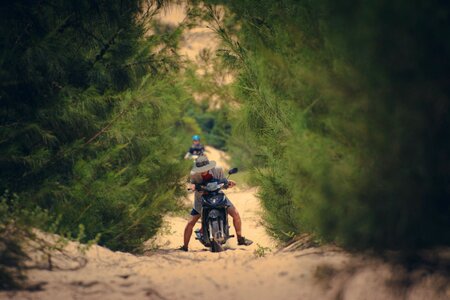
(213, 214)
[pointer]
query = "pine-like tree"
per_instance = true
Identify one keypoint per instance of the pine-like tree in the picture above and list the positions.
(345, 111)
(88, 115)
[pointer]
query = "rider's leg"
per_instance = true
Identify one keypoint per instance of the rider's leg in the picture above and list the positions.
(188, 230)
(232, 211)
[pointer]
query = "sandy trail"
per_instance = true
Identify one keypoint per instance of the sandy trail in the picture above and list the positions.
(238, 273)
(190, 275)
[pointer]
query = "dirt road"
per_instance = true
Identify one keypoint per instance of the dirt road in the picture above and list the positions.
(258, 272)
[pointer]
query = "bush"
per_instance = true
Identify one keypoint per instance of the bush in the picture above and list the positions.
(90, 116)
(215, 124)
(344, 111)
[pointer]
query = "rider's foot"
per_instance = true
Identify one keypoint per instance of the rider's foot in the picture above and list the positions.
(183, 248)
(242, 241)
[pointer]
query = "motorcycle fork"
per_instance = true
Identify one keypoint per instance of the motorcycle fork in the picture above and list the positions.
(226, 230)
(205, 226)
(223, 224)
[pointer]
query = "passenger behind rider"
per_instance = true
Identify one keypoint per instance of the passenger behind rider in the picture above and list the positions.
(203, 172)
(196, 148)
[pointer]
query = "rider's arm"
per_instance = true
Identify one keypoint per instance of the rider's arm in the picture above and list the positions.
(195, 181)
(228, 183)
(219, 174)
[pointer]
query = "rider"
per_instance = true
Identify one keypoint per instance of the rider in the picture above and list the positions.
(205, 170)
(196, 148)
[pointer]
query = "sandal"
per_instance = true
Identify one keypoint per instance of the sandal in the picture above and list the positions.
(183, 248)
(242, 241)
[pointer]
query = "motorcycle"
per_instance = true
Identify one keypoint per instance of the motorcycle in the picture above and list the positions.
(194, 155)
(215, 228)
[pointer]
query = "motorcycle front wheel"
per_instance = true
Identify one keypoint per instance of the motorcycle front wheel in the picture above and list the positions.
(216, 247)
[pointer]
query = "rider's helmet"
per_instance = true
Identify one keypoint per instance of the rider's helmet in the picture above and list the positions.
(196, 137)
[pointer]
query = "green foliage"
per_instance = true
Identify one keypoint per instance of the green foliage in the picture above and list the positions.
(215, 124)
(89, 116)
(211, 109)
(261, 251)
(125, 187)
(344, 115)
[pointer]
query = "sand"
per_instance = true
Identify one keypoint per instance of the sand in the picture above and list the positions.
(260, 271)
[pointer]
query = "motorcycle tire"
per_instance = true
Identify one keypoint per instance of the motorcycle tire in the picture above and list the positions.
(216, 247)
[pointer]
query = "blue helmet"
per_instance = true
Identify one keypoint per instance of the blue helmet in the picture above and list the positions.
(196, 138)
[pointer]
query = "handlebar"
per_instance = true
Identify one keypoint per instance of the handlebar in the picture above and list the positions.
(222, 183)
